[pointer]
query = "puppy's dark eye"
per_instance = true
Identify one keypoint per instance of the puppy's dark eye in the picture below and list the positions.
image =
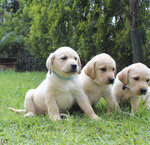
(75, 58)
(113, 69)
(103, 69)
(64, 58)
(136, 78)
(147, 80)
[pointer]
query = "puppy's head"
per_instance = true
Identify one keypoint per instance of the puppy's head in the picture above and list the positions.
(65, 62)
(136, 77)
(102, 69)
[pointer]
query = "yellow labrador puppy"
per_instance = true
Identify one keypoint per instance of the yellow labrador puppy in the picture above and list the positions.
(61, 88)
(130, 83)
(97, 77)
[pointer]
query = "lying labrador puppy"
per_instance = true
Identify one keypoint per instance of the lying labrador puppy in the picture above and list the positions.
(130, 83)
(97, 77)
(61, 88)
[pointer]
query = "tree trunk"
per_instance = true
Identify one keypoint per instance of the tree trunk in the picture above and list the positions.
(136, 45)
(135, 33)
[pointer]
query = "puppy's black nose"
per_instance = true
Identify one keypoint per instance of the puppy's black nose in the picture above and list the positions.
(111, 80)
(143, 90)
(73, 66)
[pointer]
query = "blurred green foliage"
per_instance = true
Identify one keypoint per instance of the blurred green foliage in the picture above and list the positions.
(89, 26)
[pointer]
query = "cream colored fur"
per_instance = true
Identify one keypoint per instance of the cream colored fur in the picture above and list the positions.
(95, 78)
(129, 84)
(54, 95)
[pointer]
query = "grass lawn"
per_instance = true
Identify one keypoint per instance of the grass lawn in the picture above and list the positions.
(118, 129)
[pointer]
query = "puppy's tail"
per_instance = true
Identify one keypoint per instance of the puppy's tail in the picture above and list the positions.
(19, 111)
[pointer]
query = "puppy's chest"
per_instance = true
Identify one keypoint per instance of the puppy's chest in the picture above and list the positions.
(64, 101)
(65, 97)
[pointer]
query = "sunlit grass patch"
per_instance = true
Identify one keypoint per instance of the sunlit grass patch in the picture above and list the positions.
(118, 128)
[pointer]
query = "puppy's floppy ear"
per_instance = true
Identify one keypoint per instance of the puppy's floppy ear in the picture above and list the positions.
(49, 61)
(90, 70)
(79, 64)
(123, 76)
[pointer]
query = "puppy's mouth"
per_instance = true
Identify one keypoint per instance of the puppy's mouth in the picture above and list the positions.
(70, 71)
(73, 69)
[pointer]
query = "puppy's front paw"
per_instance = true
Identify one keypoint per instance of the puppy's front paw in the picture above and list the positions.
(29, 114)
(95, 117)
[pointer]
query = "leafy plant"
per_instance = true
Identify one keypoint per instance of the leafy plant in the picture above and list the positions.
(10, 40)
(90, 27)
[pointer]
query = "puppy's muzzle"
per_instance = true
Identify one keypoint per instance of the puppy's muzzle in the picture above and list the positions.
(143, 91)
(73, 67)
(111, 80)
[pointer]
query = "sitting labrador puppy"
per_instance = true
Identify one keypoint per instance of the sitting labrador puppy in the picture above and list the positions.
(61, 88)
(130, 83)
(97, 77)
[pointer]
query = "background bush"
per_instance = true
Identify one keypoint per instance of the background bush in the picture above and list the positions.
(90, 27)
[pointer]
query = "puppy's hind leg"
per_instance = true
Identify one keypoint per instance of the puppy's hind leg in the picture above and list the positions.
(29, 104)
(29, 114)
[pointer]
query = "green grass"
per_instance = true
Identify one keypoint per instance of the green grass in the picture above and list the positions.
(120, 129)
